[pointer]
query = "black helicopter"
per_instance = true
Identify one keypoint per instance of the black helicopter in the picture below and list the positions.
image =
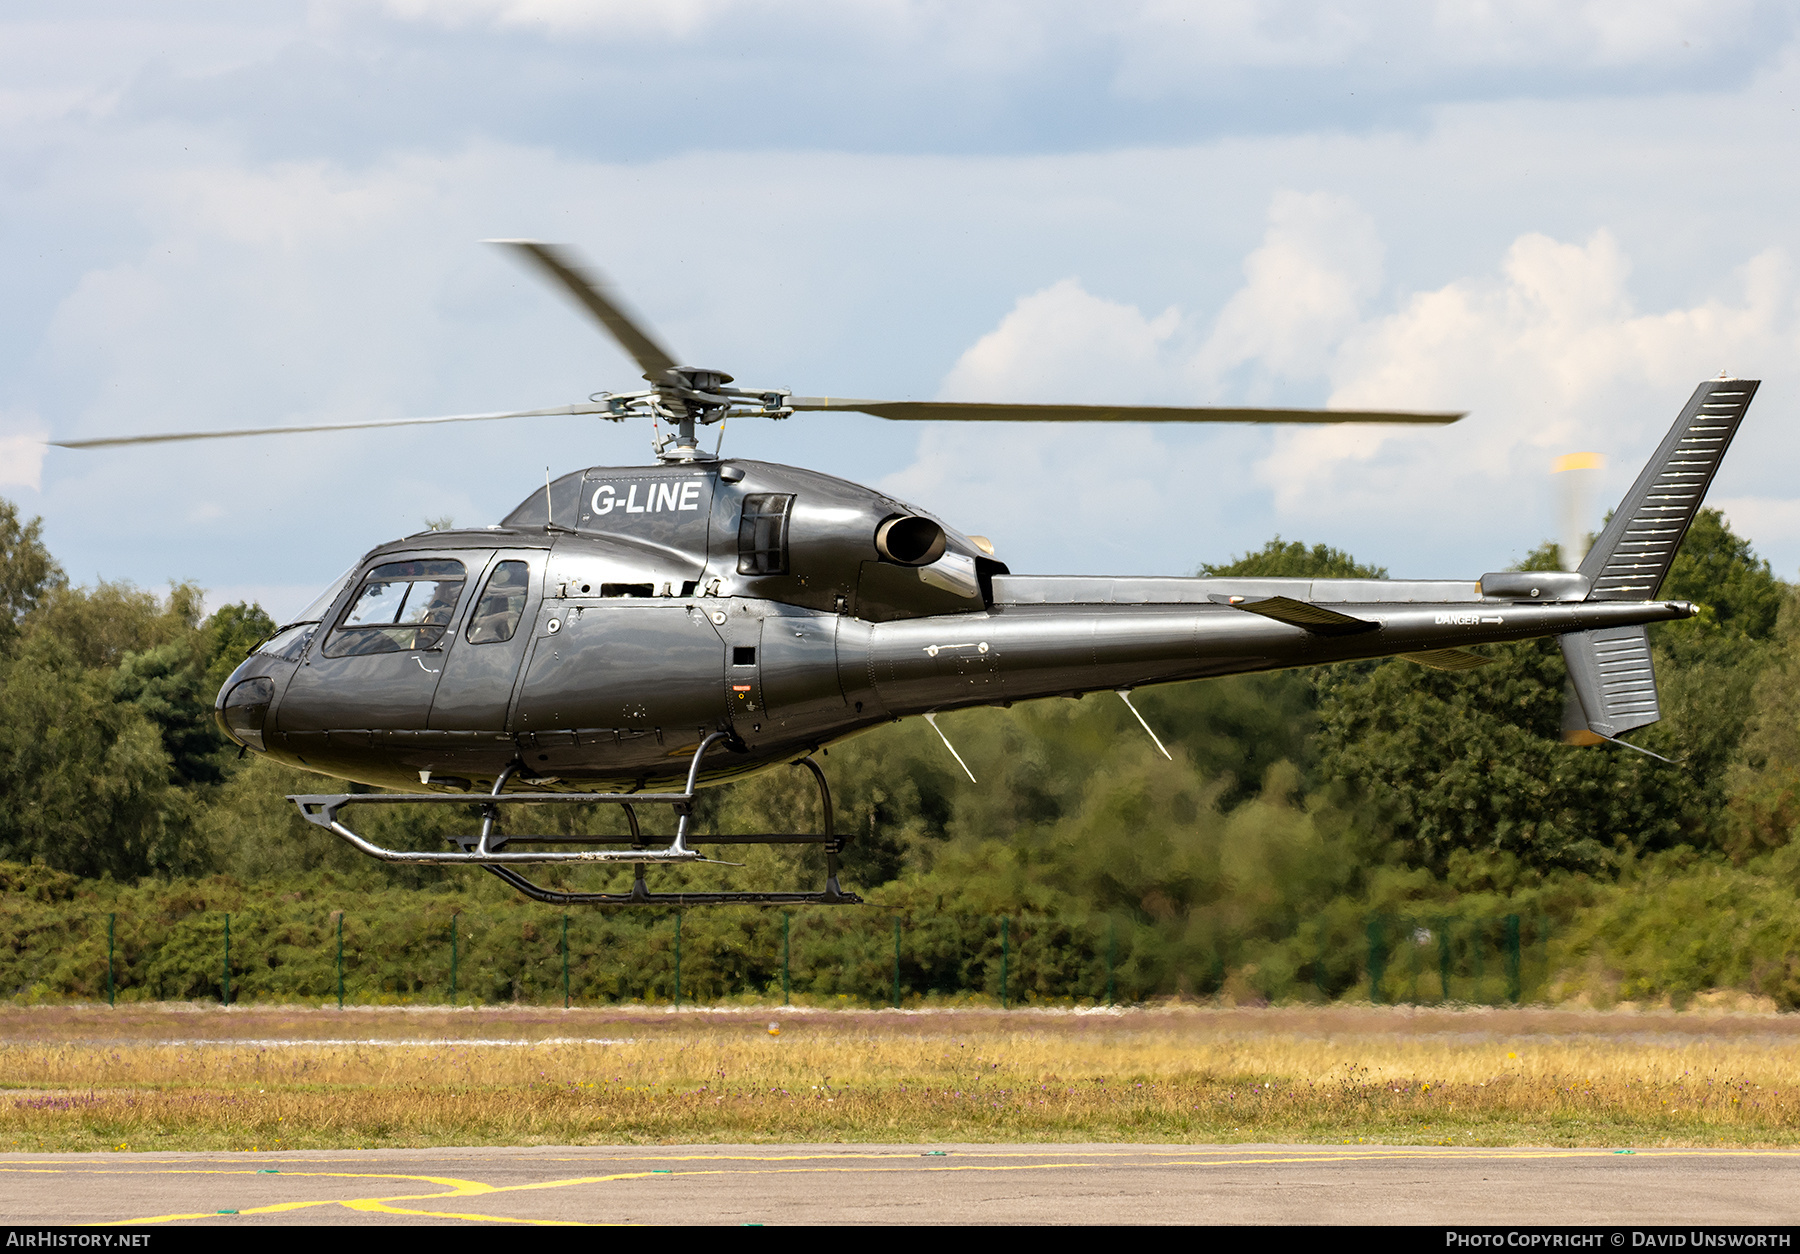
(629, 635)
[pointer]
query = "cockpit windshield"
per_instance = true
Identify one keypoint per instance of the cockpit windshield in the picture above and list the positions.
(400, 606)
(316, 611)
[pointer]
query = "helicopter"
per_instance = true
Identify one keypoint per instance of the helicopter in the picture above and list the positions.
(628, 635)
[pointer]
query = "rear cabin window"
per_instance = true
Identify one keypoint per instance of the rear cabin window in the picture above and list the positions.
(501, 604)
(763, 534)
(400, 606)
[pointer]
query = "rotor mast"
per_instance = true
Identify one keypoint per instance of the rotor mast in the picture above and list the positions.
(688, 398)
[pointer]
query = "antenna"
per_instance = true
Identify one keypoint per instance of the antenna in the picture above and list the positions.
(1125, 696)
(932, 719)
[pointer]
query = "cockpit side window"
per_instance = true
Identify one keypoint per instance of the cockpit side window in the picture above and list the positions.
(501, 604)
(400, 606)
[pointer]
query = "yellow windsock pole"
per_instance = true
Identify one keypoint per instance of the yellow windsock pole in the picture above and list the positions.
(1575, 473)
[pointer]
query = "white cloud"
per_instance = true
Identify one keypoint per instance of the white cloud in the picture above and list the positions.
(1064, 344)
(665, 17)
(22, 461)
(1550, 355)
(1304, 290)
(1166, 40)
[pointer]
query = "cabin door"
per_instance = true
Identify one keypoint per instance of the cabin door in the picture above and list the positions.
(378, 666)
(481, 669)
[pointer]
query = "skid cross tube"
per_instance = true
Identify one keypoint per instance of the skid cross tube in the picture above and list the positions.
(489, 849)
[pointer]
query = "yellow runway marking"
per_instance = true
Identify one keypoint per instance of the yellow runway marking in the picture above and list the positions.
(889, 1163)
(457, 1188)
(372, 1205)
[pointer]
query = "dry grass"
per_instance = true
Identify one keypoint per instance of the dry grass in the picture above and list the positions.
(99, 1079)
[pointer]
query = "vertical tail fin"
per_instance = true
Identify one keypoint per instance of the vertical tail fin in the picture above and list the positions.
(1611, 679)
(1632, 556)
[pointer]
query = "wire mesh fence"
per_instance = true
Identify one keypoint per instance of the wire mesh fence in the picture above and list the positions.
(1435, 959)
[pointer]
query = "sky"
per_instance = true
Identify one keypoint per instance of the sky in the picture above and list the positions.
(1560, 217)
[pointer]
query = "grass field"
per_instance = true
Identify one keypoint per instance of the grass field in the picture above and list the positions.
(166, 1078)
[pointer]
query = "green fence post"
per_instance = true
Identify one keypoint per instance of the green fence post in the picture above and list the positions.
(1512, 958)
(225, 980)
(453, 919)
(1409, 928)
(1112, 954)
(565, 962)
(1003, 957)
(784, 957)
(1377, 958)
(1443, 960)
(340, 962)
(896, 962)
(1478, 941)
(109, 958)
(1544, 950)
(678, 960)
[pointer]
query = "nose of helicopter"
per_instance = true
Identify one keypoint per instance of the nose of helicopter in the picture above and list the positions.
(242, 708)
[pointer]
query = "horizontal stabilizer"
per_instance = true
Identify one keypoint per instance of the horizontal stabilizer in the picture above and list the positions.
(1448, 659)
(1314, 618)
(1613, 679)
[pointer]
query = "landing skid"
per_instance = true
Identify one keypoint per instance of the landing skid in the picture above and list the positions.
(489, 848)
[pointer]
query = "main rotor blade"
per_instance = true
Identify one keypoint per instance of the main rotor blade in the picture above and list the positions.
(168, 437)
(592, 292)
(961, 411)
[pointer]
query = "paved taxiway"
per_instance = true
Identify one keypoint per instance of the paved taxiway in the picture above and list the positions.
(799, 1184)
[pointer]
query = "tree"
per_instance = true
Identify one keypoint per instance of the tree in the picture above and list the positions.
(225, 641)
(1734, 588)
(1293, 560)
(27, 571)
(174, 684)
(84, 778)
(108, 750)
(1243, 725)
(1765, 778)
(1472, 761)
